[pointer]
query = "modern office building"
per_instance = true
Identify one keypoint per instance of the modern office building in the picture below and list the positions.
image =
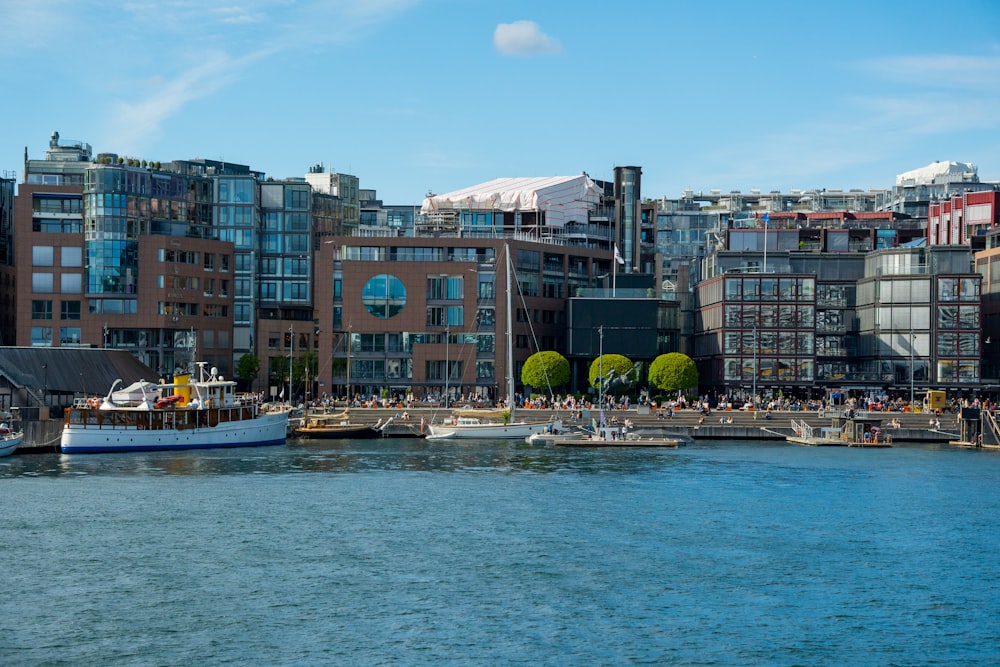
(118, 253)
(427, 316)
(844, 309)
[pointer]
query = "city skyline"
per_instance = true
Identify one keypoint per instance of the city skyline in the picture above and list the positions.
(414, 96)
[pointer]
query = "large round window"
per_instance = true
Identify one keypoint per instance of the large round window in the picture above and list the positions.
(384, 295)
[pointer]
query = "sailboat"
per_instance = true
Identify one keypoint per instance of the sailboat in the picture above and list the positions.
(503, 425)
(11, 431)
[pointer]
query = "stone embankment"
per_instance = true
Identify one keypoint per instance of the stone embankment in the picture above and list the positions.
(714, 426)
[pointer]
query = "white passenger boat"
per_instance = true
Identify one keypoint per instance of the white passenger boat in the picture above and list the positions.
(191, 413)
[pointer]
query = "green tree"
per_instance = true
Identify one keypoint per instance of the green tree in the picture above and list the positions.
(673, 372)
(618, 372)
(248, 368)
(545, 369)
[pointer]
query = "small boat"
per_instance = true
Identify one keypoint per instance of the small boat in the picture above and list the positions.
(549, 438)
(206, 414)
(337, 427)
(11, 432)
(479, 429)
(615, 436)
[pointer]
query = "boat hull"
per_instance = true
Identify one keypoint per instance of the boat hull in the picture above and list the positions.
(338, 433)
(10, 443)
(266, 429)
(619, 442)
(518, 430)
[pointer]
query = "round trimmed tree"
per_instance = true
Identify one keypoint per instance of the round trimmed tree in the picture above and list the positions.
(673, 372)
(618, 372)
(545, 369)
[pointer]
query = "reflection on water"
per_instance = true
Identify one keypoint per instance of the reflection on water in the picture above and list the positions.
(346, 457)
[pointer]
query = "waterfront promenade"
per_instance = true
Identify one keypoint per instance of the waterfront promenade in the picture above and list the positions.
(744, 426)
(43, 437)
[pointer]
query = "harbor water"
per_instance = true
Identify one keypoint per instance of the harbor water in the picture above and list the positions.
(412, 552)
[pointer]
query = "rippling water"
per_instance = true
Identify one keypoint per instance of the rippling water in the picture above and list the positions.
(408, 552)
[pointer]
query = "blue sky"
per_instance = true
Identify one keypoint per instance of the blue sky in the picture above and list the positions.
(419, 95)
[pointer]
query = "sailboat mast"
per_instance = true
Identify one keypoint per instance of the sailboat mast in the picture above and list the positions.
(510, 327)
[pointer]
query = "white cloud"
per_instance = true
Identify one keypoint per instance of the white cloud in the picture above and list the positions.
(133, 124)
(980, 73)
(271, 28)
(523, 38)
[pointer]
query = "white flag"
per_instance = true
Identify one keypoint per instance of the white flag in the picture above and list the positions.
(282, 394)
(618, 257)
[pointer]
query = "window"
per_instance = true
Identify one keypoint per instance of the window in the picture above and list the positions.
(384, 296)
(71, 283)
(41, 255)
(72, 257)
(41, 282)
(435, 287)
(41, 336)
(69, 335)
(41, 310)
(435, 316)
(68, 310)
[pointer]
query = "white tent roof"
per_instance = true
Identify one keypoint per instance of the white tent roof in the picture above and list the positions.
(562, 198)
(938, 172)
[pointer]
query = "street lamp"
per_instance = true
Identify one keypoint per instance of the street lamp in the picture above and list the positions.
(291, 348)
(600, 367)
(447, 364)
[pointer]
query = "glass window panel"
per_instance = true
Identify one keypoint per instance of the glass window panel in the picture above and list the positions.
(948, 289)
(970, 289)
(41, 336)
(41, 282)
(969, 317)
(734, 290)
(41, 255)
(71, 283)
(768, 342)
(71, 256)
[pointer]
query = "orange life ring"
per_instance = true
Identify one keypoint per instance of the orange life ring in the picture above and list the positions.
(94, 402)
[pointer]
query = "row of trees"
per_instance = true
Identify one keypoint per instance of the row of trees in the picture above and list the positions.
(613, 372)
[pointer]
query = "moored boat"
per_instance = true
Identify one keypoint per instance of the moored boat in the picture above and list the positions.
(336, 427)
(11, 432)
(206, 414)
(613, 436)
